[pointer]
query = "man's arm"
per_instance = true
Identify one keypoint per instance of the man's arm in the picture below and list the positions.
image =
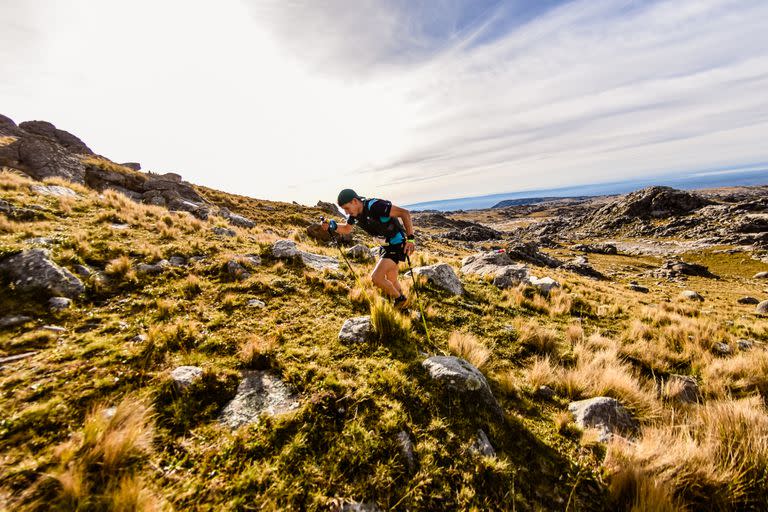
(405, 215)
(342, 229)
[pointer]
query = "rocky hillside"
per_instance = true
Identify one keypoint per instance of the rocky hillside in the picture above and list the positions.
(166, 346)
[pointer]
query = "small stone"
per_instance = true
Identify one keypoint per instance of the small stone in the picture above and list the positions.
(17, 357)
(82, 270)
(407, 451)
(545, 392)
(638, 288)
(54, 328)
(456, 375)
(721, 348)
(224, 232)
(119, 227)
(691, 295)
(744, 345)
(139, 338)
(13, 320)
(356, 330)
(360, 252)
(482, 445)
(760, 275)
(156, 268)
(184, 376)
(748, 300)
(285, 249)
(605, 414)
(59, 303)
(256, 303)
(177, 261)
(109, 413)
(762, 308)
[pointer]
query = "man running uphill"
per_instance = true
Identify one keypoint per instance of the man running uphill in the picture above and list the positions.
(380, 218)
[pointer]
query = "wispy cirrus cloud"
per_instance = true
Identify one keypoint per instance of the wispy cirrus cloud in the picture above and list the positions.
(415, 100)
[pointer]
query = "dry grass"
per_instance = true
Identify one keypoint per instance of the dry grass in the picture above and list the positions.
(121, 269)
(468, 347)
(738, 376)
(257, 352)
(717, 459)
(98, 468)
(388, 324)
(541, 340)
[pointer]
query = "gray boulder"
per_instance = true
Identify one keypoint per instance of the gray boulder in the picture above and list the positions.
(762, 308)
(545, 284)
(580, 265)
(184, 376)
(235, 219)
(529, 252)
(54, 190)
(605, 414)
(682, 388)
(356, 330)
(748, 300)
(442, 276)
(259, 392)
(33, 271)
(485, 263)
(256, 303)
(604, 248)
(360, 252)
(285, 249)
(691, 295)
(458, 376)
(217, 230)
(510, 275)
(761, 275)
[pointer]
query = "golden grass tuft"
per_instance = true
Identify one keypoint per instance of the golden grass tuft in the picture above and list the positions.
(121, 269)
(541, 340)
(98, 469)
(468, 347)
(716, 459)
(257, 352)
(388, 323)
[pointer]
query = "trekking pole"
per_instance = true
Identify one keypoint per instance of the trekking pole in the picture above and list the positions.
(335, 241)
(418, 298)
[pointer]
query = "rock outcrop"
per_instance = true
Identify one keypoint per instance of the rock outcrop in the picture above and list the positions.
(34, 271)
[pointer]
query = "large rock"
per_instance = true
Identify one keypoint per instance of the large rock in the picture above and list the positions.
(356, 330)
(762, 308)
(605, 414)
(442, 276)
(458, 376)
(54, 190)
(474, 233)
(510, 275)
(580, 265)
(286, 249)
(675, 268)
(545, 284)
(529, 252)
(235, 219)
(64, 138)
(604, 248)
(33, 271)
(259, 392)
(498, 264)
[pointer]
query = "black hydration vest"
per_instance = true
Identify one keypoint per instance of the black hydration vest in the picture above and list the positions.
(388, 228)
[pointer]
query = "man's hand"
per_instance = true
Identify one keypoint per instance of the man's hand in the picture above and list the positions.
(409, 248)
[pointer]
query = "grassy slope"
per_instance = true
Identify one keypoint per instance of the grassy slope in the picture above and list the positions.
(341, 443)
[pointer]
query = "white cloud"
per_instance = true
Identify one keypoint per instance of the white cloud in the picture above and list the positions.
(295, 99)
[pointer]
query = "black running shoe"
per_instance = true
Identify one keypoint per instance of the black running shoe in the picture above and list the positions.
(400, 302)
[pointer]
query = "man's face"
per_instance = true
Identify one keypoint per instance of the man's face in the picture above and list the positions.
(353, 207)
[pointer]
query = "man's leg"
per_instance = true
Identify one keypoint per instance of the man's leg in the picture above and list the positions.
(379, 277)
(392, 278)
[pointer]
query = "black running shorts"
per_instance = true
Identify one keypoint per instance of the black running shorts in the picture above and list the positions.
(394, 252)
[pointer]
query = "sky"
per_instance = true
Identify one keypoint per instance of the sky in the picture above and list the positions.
(411, 100)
